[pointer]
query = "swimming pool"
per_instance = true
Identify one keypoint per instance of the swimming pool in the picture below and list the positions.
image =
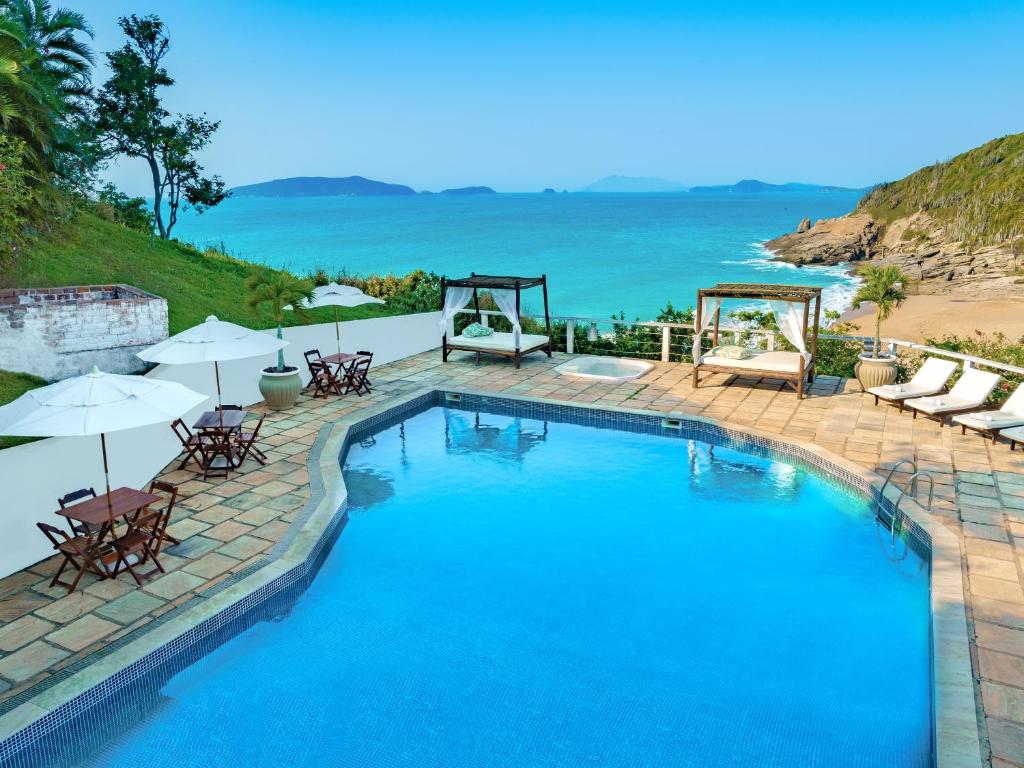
(512, 591)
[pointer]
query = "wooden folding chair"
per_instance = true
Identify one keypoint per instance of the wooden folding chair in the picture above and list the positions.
(141, 542)
(369, 356)
(192, 444)
(357, 380)
(218, 453)
(162, 519)
(77, 528)
(246, 444)
(83, 553)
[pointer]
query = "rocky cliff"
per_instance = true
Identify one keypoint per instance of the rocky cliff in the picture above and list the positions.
(954, 227)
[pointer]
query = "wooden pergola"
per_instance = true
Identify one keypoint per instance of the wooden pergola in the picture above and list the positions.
(801, 371)
(499, 345)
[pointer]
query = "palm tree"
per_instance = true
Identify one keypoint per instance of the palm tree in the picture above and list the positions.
(883, 286)
(278, 290)
(44, 75)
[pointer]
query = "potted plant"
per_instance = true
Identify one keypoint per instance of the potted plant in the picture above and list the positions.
(882, 286)
(280, 385)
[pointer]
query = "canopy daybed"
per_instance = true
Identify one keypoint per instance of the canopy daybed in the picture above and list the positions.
(791, 305)
(456, 294)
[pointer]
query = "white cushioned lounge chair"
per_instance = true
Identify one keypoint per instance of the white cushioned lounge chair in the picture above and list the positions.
(991, 423)
(930, 379)
(968, 394)
(1016, 435)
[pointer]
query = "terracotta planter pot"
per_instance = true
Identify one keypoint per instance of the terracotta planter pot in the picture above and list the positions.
(875, 371)
(280, 389)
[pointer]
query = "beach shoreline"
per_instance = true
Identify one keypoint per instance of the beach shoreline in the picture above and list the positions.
(933, 316)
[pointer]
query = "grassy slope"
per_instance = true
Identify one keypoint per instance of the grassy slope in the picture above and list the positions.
(93, 250)
(12, 385)
(978, 196)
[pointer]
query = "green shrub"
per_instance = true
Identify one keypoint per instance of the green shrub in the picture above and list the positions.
(15, 198)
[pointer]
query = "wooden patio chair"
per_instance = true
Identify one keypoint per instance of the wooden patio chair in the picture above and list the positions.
(356, 380)
(162, 518)
(192, 444)
(369, 356)
(246, 444)
(218, 453)
(77, 528)
(83, 553)
(140, 542)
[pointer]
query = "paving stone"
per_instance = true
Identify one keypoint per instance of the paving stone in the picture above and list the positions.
(228, 530)
(131, 607)
(182, 529)
(1001, 667)
(985, 516)
(109, 589)
(173, 585)
(69, 608)
(194, 547)
(16, 582)
(211, 565)
(18, 605)
(1004, 639)
(258, 516)
(990, 532)
(22, 632)
(82, 632)
(1002, 701)
(244, 547)
(28, 662)
(992, 567)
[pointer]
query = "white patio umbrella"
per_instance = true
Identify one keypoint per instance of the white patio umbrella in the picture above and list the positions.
(213, 341)
(334, 295)
(95, 404)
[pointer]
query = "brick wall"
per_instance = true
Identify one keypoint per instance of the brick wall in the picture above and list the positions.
(61, 332)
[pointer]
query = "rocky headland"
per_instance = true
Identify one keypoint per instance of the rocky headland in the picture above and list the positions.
(955, 227)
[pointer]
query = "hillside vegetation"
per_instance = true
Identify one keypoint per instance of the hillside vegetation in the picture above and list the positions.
(976, 197)
(92, 250)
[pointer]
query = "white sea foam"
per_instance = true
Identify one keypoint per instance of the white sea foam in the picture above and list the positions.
(837, 295)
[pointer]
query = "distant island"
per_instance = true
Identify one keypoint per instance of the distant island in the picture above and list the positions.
(633, 184)
(753, 186)
(469, 191)
(323, 186)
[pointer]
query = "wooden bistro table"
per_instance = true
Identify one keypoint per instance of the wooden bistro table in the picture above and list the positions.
(95, 512)
(226, 420)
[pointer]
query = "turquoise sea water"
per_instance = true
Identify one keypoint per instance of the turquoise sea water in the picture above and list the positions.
(514, 593)
(602, 253)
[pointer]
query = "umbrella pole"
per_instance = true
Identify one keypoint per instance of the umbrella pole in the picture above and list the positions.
(337, 328)
(220, 409)
(106, 473)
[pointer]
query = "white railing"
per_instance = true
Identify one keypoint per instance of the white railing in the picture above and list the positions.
(736, 333)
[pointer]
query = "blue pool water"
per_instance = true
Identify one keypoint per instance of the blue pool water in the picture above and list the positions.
(514, 592)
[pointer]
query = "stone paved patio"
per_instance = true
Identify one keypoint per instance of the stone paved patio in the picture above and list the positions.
(227, 526)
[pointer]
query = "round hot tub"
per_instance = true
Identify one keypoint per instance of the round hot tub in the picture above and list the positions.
(605, 368)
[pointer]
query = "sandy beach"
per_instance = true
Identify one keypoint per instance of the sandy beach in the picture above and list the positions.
(934, 316)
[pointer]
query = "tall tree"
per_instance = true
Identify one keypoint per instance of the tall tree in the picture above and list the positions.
(132, 121)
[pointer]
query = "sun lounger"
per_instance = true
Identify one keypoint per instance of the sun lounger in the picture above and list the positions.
(1015, 434)
(930, 379)
(968, 394)
(991, 423)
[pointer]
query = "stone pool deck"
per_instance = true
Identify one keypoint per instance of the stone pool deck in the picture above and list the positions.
(228, 526)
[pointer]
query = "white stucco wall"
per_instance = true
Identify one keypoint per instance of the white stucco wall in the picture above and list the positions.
(33, 476)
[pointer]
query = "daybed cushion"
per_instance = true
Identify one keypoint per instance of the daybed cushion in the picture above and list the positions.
(990, 420)
(775, 361)
(501, 342)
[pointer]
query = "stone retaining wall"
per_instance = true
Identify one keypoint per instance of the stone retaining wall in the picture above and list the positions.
(59, 332)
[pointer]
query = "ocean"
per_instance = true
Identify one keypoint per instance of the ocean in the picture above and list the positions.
(602, 253)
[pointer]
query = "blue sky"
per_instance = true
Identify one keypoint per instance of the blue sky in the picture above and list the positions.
(521, 96)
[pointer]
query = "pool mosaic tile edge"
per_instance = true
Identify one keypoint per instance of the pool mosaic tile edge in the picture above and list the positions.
(32, 734)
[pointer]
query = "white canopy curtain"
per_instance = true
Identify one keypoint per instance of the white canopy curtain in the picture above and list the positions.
(709, 306)
(454, 300)
(506, 301)
(789, 318)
